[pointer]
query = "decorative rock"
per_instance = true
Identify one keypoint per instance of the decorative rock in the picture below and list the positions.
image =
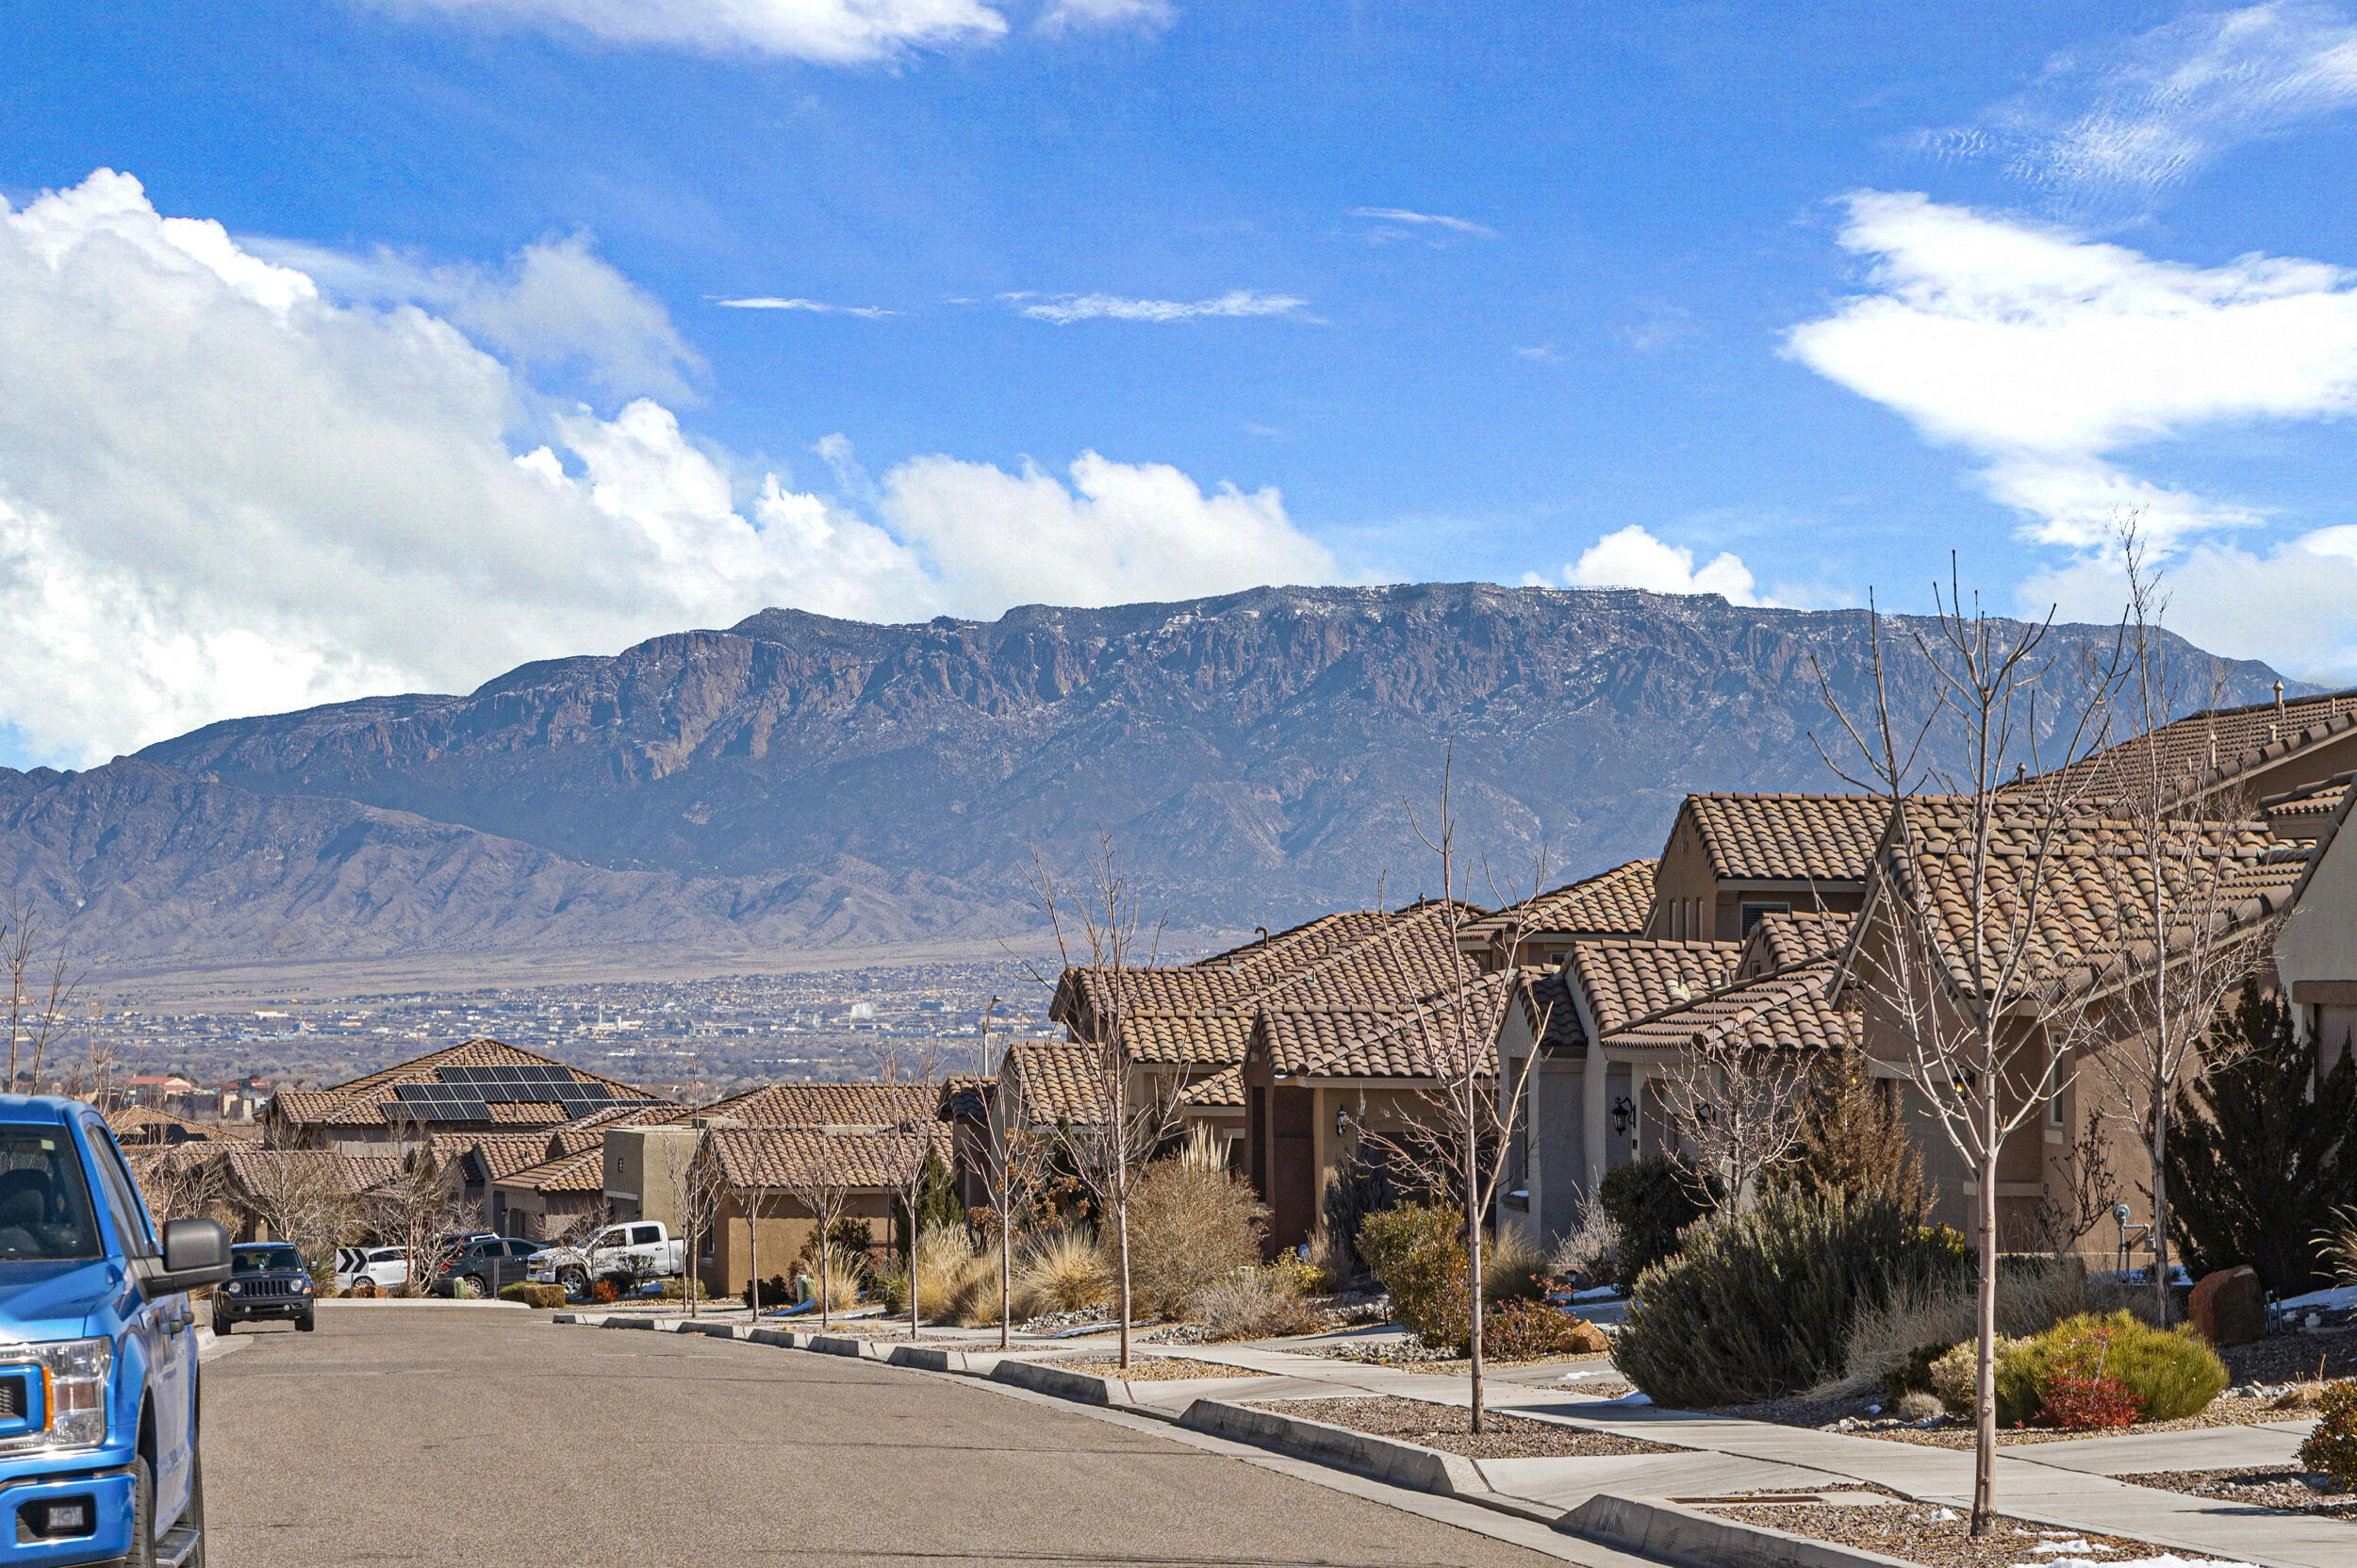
(2229, 1307)
(1586, 1338)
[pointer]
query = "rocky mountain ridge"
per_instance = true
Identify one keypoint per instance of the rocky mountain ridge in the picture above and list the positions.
(800, 781)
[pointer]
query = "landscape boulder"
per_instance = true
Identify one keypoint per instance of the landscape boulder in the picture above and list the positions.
(2229, 1307)
(1586, 1339)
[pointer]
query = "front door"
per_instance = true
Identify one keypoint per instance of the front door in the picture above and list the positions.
(1293, 1189)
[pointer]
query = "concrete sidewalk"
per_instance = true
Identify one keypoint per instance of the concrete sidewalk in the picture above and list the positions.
(2064, 1484)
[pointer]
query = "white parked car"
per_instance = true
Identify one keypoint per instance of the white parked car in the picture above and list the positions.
(643, 1249)
(378, 1268)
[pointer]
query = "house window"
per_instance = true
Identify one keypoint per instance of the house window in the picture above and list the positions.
(2054, 1088)
(1753, 912)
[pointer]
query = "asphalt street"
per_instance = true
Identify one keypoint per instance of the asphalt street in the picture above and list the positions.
(455, 1435)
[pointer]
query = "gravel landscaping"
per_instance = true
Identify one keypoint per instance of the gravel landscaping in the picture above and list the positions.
(1150, 1369)
(1449, 1428)
(1936, 1536)
(1860, 1418)
(2283, 1358)
(2266, 1486)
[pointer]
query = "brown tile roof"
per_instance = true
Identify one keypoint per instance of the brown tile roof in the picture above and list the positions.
(1379, 1042)
(1780, 1013)
(2302, 813)
(363, 1100)
(258, 1170)
(1222, 1089)
(499, 1155)
(580, 1171)
(1610, 903)
(1547, 1000)
(2213, 748)
(824, 1105)
(1782, 941)
(1788, 838)
(1624, 980)
(964, 1094)
(1058, 1081)
(776, 1158)
(1203, 1011)
(2090, 921)
(140, 1124)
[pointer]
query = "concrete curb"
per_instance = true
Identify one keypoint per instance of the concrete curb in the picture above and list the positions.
(1082, 1387)
(1385, 1459)
(1692, 1539)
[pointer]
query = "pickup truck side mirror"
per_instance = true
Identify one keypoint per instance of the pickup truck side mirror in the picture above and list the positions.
(196, 1253)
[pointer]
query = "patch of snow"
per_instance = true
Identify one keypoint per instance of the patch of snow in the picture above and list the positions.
(2334, 1299)
(1628, 1399)
(1597, 1293)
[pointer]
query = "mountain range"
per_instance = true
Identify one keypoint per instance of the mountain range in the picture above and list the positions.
(796, 782)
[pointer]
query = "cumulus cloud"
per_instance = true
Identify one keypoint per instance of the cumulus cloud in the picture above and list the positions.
(1633, 558)
(1064, 309)
(2108, 127)
(2286, 602)
(1075, 16)
(815, 308)
(555, 306)
(226, 490)
(2045, 355)
(828, 32)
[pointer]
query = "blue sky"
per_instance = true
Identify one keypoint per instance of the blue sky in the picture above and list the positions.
(1093, 300)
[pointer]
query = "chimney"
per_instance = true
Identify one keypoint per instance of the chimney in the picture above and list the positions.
(2278, 699)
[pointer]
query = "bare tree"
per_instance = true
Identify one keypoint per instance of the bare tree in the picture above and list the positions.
(907, 1146)
(1963, 888)
(2090, 1189)
(1462, 1139)
(818, 1172)
(2190, 936)
(697, 1192)
(414, 1209)
(176, 1182)
(1740, 1113)
(1014, 1155)
(41, 986)
(1096, 927)
(302, 1197)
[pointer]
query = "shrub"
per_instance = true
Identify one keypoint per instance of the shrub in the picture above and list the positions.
(1917, 1406)
(1063, 1273)
(543, 1296)
(1332, 1261)
(1892, 1344)
(1414, 1250)
(1530, 1331)
(1189, 1223)
(1590, 1252)
(1363, 1184)
(1650, 1201)
(1254, 1303)
(2063, 1375)
(1855, 1140)
(1955, 1373)
(1759, 1305)
(2333, 1446)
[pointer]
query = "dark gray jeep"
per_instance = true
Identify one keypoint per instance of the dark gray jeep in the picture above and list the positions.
(267, 1280)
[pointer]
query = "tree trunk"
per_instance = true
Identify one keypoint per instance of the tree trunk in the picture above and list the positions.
(913, 1310)
(1473, 1255)
(1006, 1271)
(1985, 1391)
(826, 1285)
(1121, 1228)
(2160, 1205)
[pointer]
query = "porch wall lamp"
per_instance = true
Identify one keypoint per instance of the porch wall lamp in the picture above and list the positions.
(1623, 1113)
(1342, 1121)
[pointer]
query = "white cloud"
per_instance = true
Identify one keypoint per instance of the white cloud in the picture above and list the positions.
(2288, 604)
(1062, 309)
(828, 32)
(1435, 228)
(2107, 126)
(1544, 354)
(815, 308)
(1633, 558)
(554, 306)
(2046, 354)
(1121, 532)
(1075, 16)
(225, 490)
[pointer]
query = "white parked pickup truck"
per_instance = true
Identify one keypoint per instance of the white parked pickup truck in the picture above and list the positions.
(642, 1248)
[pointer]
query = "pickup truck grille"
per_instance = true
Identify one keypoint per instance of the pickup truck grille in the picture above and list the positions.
(12, 1398)
(267, 1288)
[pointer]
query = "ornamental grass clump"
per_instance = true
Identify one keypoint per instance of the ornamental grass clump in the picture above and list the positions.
(1191, 1223)
(1062, 1273)
(1758, 1305)
(1254, 1303)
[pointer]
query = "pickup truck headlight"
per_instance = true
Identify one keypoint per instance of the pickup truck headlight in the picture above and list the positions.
(74, 1375)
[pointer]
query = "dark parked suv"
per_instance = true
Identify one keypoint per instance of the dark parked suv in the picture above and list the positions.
(484, 1264)
(267, 1280)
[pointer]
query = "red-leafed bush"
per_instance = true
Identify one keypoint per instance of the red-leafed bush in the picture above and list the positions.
(2078, 1401)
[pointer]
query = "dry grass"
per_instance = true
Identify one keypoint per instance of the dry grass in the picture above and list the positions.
(1256, 1303)
(1191, 1223)
(2030, 1300)
(1063, 1273)
(956, 1279)
(840, 1279)
(1509, 1265)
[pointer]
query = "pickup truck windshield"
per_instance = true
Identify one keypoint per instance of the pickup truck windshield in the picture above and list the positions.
(44, 1202)
(264, 1259)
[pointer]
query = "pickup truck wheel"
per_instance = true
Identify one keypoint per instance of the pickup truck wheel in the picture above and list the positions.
(142, 1552)
(193, 1516)
(576, 1282)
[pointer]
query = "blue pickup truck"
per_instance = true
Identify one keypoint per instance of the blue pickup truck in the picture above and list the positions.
(98, 1377)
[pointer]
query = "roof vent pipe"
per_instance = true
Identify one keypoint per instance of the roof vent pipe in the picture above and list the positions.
(2278, 699)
